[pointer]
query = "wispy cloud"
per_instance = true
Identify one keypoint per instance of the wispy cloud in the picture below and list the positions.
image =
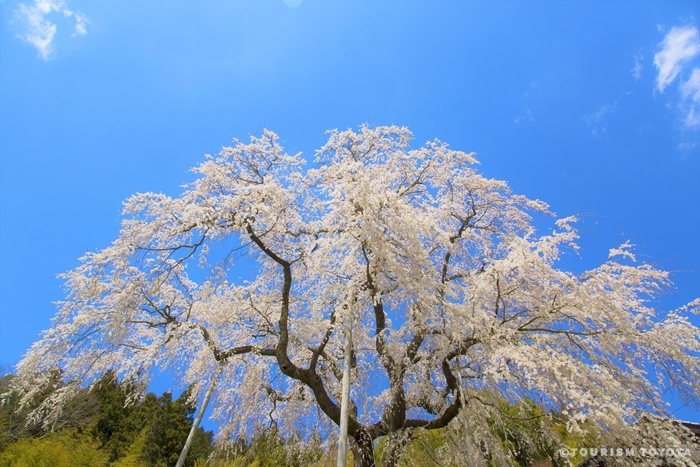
(598, 120)
(637, 70)
(527, 116)
(41, 31)
(532, 93)
(81, 23)
(680, 45)
(690, 90)
(677, 51)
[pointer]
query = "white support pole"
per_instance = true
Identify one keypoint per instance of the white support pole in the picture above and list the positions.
(345, 397)
(202, 408)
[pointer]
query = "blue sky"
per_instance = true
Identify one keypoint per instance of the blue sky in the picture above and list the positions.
(593, 107)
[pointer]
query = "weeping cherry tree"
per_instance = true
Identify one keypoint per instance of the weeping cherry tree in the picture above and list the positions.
(457, 301)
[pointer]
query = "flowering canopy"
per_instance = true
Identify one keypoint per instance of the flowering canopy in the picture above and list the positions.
(454, 295)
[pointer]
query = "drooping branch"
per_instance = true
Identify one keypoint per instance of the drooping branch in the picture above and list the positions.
(281, 351)
(309, 375)
(318, 351)
(379, 314)
(426, 239)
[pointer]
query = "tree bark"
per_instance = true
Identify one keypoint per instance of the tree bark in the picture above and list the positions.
(396, 442)
(363, 449)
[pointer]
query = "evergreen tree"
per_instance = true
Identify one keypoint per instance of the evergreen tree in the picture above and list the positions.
(125, 433)
(15, 424)
(169, 427)
(111, 419)
(158, 425)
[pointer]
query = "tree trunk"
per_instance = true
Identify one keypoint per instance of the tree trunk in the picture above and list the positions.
(395, 444)
(363, 449)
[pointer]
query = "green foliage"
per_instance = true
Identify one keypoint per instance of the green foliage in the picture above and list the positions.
(134, 455)
(425, 449)
(150, 433)
(169, 426)
(66, 448)
(525, 432)
(78, 413)
(522, 430)
(101, 428)
(585, 439)
(202, 446)
(269, 449)
(114, 426)
(158, 425)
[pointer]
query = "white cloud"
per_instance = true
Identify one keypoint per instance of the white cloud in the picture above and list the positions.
(690, 90)
(598, 120)
(40, 31)
(527, 116)
(531, 94)
(637, 70)
(675, 60)
(680, 45)
(81, 23)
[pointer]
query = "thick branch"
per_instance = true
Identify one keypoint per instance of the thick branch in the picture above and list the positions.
(285, 363)
(442, 421)
(321, 347)
(379, 314)
(287, 367)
